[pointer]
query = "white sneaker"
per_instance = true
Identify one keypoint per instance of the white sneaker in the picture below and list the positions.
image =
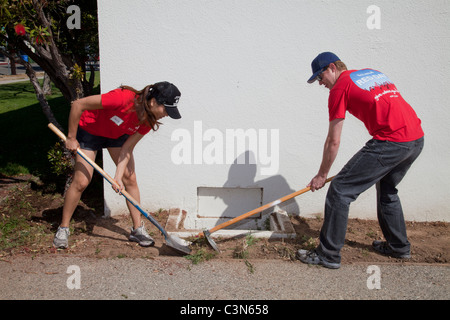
(61, 240)
(141, 236)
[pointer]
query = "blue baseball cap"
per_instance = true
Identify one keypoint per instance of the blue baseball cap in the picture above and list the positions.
(320, 63)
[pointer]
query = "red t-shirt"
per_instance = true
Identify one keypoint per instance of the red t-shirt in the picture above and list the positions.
(371, 97)
(116, 118)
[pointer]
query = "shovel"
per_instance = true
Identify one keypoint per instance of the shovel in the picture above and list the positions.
(207, 233)
(174, 242)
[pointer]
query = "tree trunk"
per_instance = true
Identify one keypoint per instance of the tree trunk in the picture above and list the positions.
(12, 64)
(48, 113)
(47, 86)
(40, 94)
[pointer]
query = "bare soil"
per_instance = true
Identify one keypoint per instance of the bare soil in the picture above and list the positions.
(92, 235)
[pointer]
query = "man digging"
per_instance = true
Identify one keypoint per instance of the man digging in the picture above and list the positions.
(397, 140)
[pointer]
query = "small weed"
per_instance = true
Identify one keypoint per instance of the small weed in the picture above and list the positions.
(250, 267)
(61, 161)
(372, 234)
(308, 243)
(250, 239)
(287, 253)
(365, 252)
(241, 251)
(158, 213)
(200, 255)
(267, 223)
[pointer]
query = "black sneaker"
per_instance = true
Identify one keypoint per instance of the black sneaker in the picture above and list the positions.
(311, 257)
(384, 248)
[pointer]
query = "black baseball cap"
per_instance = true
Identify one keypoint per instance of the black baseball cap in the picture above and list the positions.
(167, 94)
(319, 64)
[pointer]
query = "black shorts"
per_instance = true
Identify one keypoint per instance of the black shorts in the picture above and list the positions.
(91, 142)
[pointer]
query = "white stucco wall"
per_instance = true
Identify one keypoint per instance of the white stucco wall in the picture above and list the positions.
(244, 65)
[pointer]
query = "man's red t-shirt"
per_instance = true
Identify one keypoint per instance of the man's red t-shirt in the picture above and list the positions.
(371, 97)
(116, 118)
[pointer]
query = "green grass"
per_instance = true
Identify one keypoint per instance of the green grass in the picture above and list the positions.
(25, 141)
(25, 138)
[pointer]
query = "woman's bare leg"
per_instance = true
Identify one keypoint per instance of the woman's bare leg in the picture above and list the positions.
(82, 177)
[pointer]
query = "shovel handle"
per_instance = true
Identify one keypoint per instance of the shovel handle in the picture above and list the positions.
(171, 241)
(262, 208)
(92, 163)
(133, 201)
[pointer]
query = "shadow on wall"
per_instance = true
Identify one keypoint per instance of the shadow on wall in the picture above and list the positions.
(243, 176)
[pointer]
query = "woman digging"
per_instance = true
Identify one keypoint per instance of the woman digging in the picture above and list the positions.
(117, 121)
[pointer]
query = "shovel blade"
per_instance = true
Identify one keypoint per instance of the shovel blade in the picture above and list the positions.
(210, 240)
(178, 244)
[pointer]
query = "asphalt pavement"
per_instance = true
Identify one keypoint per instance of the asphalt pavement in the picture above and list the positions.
(20, 69)
(176, 278)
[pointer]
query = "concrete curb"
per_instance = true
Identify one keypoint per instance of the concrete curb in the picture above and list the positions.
(280, 227)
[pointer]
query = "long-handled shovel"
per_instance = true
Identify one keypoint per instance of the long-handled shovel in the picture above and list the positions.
(207, 233)
(174, 242)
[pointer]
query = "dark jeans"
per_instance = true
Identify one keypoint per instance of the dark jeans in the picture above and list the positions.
(383, 163)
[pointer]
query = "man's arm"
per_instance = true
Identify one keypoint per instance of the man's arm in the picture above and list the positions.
(330, 151)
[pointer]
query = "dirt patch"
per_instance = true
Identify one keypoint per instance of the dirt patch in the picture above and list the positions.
(96, 236)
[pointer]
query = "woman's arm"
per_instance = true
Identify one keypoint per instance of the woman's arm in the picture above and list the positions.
(124, 157)
(76, 109)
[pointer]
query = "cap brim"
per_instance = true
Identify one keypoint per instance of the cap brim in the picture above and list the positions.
(314, 77)
(173, 112)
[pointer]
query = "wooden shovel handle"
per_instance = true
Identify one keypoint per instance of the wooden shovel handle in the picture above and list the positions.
(262, 208)
(171, 241)
(95, 165)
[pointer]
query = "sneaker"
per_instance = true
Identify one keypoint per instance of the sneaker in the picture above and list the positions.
(61, 240)
(141, 236)
(311, 257)
(384, 248)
